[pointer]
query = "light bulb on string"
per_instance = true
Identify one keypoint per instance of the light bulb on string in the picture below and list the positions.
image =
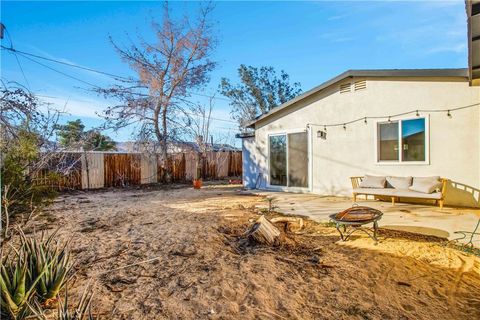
(325, 128)
(418, 114)
(389, 120)
(449, 114)
(365, 120)
(344, 126)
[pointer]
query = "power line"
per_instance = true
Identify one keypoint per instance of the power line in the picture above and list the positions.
(16, 58)
(116, 77)
(66, 63)
(60, 72)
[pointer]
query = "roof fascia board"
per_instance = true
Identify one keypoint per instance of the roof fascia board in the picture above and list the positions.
(388, 73)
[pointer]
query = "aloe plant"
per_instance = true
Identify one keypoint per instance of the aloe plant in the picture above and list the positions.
(51, 263)
(80, 312)
(17, 288)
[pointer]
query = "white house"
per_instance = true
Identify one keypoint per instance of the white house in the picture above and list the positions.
(377, 122)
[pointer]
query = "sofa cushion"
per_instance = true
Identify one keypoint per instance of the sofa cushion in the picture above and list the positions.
(426, 184)
(390, 192)
(399, 182)
(373, 182)
(374, 191)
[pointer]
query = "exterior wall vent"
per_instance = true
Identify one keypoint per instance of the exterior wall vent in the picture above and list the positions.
(344, 88)
(360, 85)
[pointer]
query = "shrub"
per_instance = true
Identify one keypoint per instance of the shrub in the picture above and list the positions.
(19, 194)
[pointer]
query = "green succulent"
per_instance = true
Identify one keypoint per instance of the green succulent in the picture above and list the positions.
(18, 288)
(51, 263)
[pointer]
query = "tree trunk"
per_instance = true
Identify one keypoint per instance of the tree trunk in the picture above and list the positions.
(263, 232)
(168, 174)
(166, 177)
(162, 138)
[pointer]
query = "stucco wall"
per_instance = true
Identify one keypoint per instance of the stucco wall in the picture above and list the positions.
(454, 142)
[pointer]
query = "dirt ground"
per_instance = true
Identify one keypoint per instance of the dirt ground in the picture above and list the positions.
(174, 254)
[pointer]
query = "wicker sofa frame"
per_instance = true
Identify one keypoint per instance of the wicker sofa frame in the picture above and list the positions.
(439, 197)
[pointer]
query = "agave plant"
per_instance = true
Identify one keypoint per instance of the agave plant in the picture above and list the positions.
(18, 288)
(82, 310)
(49, 262)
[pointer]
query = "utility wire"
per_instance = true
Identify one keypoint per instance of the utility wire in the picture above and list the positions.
(116, 77)
(60, 72)
(66, 63)
(16, 57)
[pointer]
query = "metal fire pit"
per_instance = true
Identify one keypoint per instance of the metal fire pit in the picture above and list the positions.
(354, 218)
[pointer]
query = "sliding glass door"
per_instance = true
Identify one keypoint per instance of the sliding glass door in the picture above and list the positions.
(278, 160)
(288, 160)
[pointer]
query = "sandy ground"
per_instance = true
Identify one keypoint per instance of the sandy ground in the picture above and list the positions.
(197, 269)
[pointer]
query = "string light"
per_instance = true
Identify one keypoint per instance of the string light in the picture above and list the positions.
(416, 112)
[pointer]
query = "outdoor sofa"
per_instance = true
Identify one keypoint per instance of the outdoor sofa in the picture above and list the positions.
(429, 188)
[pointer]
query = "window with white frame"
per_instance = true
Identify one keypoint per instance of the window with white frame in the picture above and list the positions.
(402, 141)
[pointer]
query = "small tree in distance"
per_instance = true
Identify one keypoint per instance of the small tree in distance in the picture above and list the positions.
(259, 91)
(74, 137)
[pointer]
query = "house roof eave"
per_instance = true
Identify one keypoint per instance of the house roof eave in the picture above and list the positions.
(384, 73)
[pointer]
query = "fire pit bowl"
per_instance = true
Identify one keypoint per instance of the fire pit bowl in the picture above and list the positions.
(354, 218)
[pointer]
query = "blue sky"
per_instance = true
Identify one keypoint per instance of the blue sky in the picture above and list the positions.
(311, 41)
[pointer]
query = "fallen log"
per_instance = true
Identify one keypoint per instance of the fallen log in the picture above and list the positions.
(263, 232)
(292, 224)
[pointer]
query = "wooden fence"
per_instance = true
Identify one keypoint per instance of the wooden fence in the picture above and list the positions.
(93, 170)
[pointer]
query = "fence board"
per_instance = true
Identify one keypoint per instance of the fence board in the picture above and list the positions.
(190, 165)
(93, 170)
(122, 169)
(148, 169)
(235, 164)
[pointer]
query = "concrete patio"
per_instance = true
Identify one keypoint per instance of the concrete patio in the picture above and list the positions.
(418, 218)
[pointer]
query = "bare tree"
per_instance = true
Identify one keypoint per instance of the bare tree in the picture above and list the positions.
(177, 62)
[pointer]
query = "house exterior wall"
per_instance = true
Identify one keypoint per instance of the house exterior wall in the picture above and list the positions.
(454, 143)
(250, 163)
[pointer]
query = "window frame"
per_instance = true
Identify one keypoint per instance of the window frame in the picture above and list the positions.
(400, 161)
(309, 178)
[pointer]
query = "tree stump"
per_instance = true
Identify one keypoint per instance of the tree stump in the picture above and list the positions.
(264, 232)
